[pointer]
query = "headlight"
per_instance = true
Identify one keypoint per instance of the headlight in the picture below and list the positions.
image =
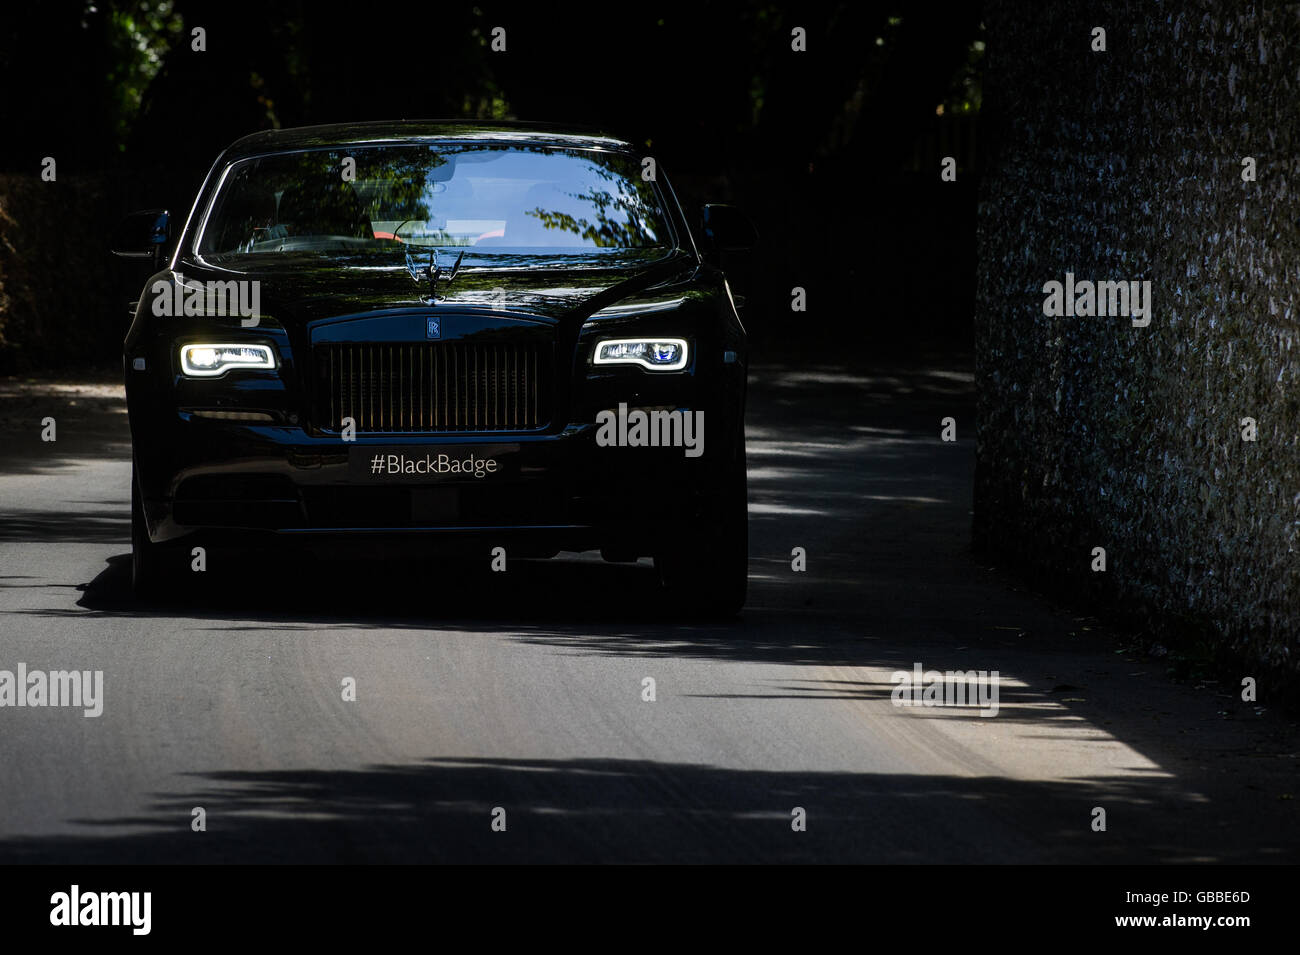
(657, 354)
(206, 361)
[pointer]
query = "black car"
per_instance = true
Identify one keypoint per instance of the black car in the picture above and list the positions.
(441, 338)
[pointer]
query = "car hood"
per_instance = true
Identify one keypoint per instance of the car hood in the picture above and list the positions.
(303, 291)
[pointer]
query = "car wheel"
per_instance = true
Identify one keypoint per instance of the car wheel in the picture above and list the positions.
(706, 569)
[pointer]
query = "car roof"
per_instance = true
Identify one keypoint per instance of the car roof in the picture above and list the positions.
(407, 130)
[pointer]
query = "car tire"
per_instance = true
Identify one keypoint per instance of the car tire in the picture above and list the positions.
(705, 570)
(151, 571)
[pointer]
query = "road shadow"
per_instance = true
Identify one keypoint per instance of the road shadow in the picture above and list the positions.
(88, 417)
(440, 810)
(104, 523)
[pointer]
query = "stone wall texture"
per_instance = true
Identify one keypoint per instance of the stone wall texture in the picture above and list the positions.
(1127, 165)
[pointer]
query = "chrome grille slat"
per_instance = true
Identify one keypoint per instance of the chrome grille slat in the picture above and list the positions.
(432, 388)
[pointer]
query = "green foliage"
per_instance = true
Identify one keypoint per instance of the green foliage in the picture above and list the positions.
(140, 33)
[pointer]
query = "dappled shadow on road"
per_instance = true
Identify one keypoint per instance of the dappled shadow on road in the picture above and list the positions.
(103, 524)
(617, 810)
(89, 419)
(627, 810)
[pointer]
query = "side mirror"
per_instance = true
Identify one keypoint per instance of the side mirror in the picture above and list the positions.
(142, 235)
(727, 229)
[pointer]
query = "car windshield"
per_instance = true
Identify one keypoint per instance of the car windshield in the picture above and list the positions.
(488, 200)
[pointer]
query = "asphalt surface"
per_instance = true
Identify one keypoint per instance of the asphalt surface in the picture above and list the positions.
(524, 690)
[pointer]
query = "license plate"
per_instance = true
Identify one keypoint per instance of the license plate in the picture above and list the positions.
(462, 464)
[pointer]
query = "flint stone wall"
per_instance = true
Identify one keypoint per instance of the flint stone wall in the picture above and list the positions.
(1127, 165)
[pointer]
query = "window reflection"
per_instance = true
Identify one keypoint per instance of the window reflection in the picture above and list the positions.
(487, 199)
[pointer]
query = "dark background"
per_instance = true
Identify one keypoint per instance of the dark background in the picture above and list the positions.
(835, 152)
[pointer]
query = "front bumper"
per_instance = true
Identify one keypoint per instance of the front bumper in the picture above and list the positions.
(547, 491)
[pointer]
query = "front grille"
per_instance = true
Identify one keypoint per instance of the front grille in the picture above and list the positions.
(432, 387)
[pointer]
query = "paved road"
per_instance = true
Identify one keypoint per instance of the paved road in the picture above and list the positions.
(524, 691)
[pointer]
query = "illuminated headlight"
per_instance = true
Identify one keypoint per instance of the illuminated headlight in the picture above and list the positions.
(657, 354)
(205, 361)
